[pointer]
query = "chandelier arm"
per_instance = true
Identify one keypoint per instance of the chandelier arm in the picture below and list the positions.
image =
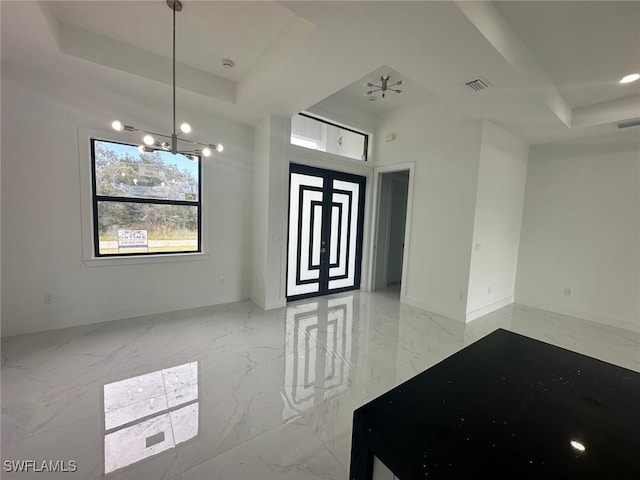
(199, 144)
(210, 145)
(154, 134)
(153, 148)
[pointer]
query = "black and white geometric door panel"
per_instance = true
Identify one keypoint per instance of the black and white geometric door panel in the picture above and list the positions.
(326, 211)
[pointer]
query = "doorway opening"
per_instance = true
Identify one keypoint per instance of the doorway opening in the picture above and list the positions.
(391, 221)
(324, 246)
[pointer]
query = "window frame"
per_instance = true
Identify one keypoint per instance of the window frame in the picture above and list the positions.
(342, 127)
(96, 198)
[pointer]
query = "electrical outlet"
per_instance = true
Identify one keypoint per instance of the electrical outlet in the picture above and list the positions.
(48, 298)
(461, 295)
(478, 247)
(568, 292)
(221, 278)
(488, 290)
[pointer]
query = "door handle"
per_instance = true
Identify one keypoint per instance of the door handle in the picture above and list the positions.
(322, 250)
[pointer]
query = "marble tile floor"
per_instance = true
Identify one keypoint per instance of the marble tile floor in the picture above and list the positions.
(235, 393)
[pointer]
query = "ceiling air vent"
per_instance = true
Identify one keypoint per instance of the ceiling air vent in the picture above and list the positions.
(478, 84)
(629, 123)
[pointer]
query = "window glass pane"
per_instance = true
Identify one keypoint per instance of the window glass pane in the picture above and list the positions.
(319, 135)
(134, 228)
(122, 171)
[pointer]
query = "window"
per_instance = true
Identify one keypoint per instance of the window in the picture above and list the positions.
(144, 203)
(318, 134)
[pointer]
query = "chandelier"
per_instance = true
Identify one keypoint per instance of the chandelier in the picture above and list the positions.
(171, 143)
(383, 87)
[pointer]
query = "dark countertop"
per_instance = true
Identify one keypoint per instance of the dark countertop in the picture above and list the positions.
(505, 407)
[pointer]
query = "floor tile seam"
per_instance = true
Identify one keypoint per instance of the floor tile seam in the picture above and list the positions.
(149, 459)
(206, 377)
(222, 452)
(66, 425)
(168, 412)
(578, 346)
(163, 394)
(333, 455)
(236, 370)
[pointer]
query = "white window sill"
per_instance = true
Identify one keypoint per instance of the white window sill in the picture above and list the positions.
(143, 260)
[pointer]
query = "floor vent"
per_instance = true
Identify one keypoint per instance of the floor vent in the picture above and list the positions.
(478, 84)
(629, 123)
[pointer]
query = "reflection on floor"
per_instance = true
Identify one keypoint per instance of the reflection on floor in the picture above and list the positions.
(233, 392)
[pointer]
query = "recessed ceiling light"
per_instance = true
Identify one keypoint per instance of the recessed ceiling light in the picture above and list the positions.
(630, 78)
(227, 63)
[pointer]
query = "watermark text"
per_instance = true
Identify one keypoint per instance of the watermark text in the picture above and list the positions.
(38, 466)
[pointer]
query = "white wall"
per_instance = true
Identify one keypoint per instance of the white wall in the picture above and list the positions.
(271, 175)
(445, 147)
(496, 232)
(581, 230)
(41, 215)
(261, 142)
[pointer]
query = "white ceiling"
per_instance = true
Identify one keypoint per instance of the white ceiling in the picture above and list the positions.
(354, 94)
(585, 47)
(553, 66)
(206, 32)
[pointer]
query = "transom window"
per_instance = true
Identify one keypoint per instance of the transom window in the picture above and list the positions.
(144, 203)
(318, 134)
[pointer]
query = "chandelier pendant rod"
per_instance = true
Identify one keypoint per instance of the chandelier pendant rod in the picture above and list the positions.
(174, 136)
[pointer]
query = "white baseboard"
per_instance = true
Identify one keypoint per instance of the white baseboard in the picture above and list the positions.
(479, 312)
(271, 305)
(259, 301)
(623, 323)
(444, 311)
(92, 318)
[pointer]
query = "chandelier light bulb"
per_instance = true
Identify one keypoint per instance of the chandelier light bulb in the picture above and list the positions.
(117, 125)
(185, 127)
(141, 148)
(148, 140)
(219, 147)
(206, 151)
(630, 78)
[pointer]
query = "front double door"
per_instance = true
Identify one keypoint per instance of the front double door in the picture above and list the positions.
(326, 211)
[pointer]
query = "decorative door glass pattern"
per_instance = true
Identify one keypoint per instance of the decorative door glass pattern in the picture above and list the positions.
(325, 231)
